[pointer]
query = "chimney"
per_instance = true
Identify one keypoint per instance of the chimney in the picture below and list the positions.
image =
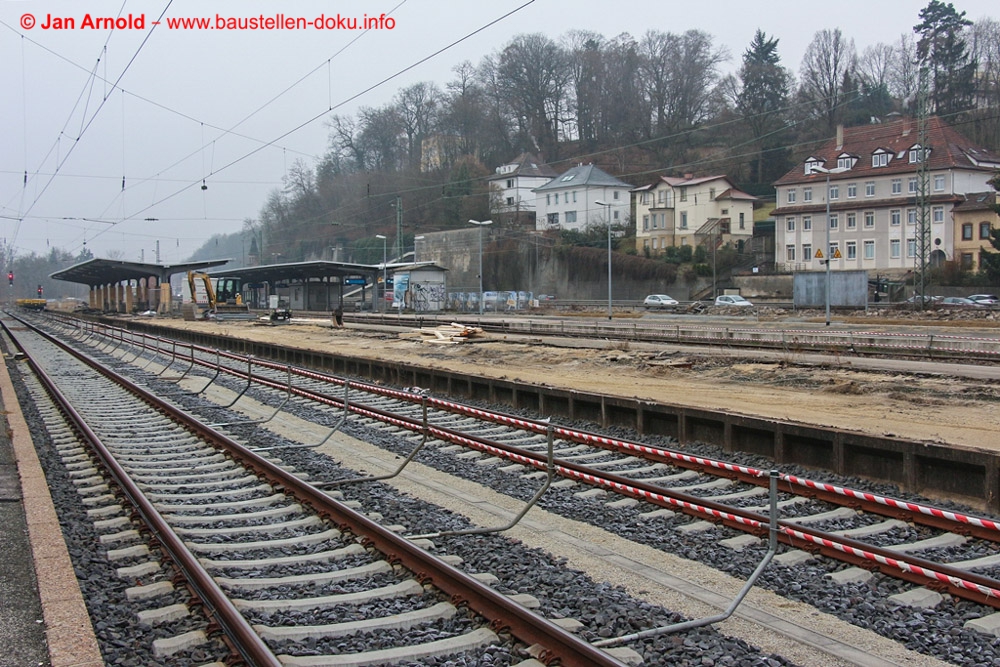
(840, 137)
(688, 177)
(906, 126)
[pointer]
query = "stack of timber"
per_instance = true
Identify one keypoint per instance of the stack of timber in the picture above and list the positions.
(446, 334)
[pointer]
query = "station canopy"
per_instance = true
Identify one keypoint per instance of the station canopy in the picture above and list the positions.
(299, 271)
(96, 272)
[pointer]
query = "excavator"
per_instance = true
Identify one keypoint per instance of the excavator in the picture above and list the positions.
(221, 300)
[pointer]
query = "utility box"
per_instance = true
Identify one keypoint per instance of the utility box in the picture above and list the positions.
(848, 289)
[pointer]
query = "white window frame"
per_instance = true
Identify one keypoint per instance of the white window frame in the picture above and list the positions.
(939, 183)
(869, 249)
(869, 219)
(880, 159)
(911, 185)
(790, 252)
(807, 252)
(834, 191)
(833, 221)
(852, 220)
(791, 196)
(938, 214)
(851, 250)
(894, 248)
(911, 216)
(897, 186)
(790, 223)
(911, 248)
(807, 194)
(869, 188)
(895, 217)
(852, 190)
(807, 223)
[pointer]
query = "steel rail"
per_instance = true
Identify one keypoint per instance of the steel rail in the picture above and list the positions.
(504, 614)
(965, 524)
(242, 639)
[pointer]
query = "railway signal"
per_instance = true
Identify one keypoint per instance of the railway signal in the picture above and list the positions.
(39, 291)
(10, 278)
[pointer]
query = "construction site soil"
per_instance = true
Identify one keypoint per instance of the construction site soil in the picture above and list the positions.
(925, 406)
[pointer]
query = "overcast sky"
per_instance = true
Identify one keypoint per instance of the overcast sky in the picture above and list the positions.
(166, 126)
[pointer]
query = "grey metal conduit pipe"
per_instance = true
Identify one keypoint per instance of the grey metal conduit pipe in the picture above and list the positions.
(772, 547)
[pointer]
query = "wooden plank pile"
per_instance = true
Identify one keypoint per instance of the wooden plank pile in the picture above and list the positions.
(445, 334)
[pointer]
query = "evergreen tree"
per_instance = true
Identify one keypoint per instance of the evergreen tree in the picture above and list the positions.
(762, 101)
(989, 261)
(942, 50)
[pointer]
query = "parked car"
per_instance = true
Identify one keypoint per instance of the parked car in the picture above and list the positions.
(732, 300)
(959, 302)
(659, 301)
(985, 299)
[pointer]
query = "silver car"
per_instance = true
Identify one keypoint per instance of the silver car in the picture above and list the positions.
(659, 301)
(732, 300)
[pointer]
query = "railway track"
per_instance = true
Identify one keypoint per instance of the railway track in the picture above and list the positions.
(941, 550)
(270, 560)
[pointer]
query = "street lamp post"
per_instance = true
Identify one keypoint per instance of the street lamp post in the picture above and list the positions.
(480, 224)
(609, 205)
(385, 277)
(829, 257)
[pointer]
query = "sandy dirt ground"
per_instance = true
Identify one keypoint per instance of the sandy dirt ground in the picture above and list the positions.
(922, 406)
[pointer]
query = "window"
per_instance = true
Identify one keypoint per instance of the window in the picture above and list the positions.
(918, 154)
(852, 250)
(570, 216)
(742, 221)
(807, 194)
(615, 216)
(510, 201)
(834, 250)
(967, 231)
(911, 248)
(660, 194)
(852, 190)
(574, 196)
(790, 253)
(984, 230)
(807, 223)
(894, 249)
(939, 183)
(711, 193)
(684, 219)
(911, 216)
(684, 193)
(510, 183)
(791, 195)
(869, 219)
(567, 178)
(807, 251)
(834, 221)
(790, 224)
(615, 194)
(880, 159)
(897, 186)
(869, 188)
(553, 219)
(548, 200)
(912, 186)
(812, 164)
(644, 198)
(894, 217)
(869, 250)
(645, 223)
(725, 211)
(834, 192)
(966, 261)
(938, 213)
(852, 220)
(845, 162)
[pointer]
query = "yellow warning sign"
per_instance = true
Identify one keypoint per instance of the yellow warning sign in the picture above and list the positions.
(819, 254)
(836, 253)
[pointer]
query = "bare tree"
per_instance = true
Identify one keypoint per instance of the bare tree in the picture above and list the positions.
(533, 74)
(418, 108)
(828, 58)
(902, 75)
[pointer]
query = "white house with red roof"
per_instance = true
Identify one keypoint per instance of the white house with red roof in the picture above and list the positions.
(690, 211)
(873, 200)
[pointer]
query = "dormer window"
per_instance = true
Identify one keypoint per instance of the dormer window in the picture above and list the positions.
(568, 177)
(845, 161)
(811, 164)
(880, 158)
(919, 154)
